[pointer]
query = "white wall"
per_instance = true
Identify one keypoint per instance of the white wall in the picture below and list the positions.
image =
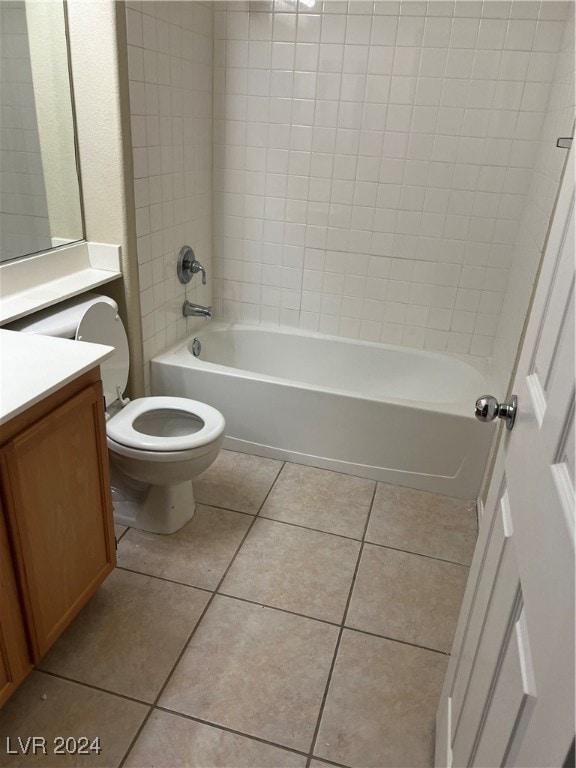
(98, 60)
(24, 224)
(170, 70)
(371, 163)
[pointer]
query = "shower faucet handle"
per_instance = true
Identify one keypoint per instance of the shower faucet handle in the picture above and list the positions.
(188, 266)
(197, 267)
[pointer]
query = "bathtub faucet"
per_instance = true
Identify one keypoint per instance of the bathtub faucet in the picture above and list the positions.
(196, 310)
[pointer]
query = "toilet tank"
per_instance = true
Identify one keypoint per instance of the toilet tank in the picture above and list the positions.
(90, 318)
(61, 319)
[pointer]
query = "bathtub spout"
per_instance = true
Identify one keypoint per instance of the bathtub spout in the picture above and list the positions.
(196, 310)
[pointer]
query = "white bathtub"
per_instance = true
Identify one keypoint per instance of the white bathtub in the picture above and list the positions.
(378, 411)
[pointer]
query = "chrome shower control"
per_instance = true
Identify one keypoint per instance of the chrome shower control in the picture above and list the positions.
(488, 408)
(187, 266)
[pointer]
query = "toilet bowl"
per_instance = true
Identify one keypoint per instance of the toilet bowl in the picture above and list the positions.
(156, 445)
(161, 444)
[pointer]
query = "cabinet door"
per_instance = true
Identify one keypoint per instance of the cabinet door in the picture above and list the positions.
(15, 660)
(56, 481)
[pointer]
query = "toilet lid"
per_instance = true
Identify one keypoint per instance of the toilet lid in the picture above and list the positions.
(165, 424)
(101, 324)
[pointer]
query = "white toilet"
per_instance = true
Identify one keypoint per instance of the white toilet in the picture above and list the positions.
(157, 445)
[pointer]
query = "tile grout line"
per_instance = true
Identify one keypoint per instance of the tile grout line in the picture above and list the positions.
(295, 525)
(183, 715)
(119, 538)
(309, 466)
(332, 533)
(163, 578)
(281, 610)
(272, 608)
(227, 509)
(332, 623)
(278, 475)
(227, 728)
(360, 540)
(276, 608)
(284, 522)
(417, 554)
(220, 726)
(242, 511)
(309, 528)
(92, 687)
(340, 633)
(315, 530)
(195, 628)
(296, 613)
(396, 640)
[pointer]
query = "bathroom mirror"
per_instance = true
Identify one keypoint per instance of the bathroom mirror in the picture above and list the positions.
(39, 186)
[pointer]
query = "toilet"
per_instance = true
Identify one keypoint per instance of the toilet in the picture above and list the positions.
(157, 445)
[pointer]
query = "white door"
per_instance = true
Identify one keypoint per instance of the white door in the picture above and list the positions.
(508, 696)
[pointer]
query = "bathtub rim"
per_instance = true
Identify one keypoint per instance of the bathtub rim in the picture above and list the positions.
(458, 408)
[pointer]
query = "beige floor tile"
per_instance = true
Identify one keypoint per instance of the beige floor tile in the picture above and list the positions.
(407, 597)
(129, 635)
(198, 554)
(255, 670)
(428, 523)
(317, 498)
(294, 568)
(321, 763)
(237, 481)
(170, 741)
(49, 707)
(381, 705)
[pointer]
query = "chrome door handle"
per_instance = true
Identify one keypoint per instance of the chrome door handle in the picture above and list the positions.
(488, 408)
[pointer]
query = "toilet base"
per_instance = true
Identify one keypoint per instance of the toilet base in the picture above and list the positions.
(154, 508)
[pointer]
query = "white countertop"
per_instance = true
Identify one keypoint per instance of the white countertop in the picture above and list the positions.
(34, 366)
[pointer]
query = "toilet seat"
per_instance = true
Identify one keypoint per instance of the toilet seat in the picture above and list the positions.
(130, 426)
(161, 457)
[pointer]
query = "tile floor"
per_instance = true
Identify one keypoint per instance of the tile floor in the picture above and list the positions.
(303, 618)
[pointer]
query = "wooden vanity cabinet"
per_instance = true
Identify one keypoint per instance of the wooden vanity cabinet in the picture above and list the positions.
(58, 511)
(15, 660)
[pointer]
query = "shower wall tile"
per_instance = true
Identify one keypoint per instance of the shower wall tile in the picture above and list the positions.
(170, 49)
(542, 190)
(371, 163)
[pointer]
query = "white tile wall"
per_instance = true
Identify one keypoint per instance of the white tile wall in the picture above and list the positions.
(558, 122)
(24, 225)
(371, 162)
(170, 70)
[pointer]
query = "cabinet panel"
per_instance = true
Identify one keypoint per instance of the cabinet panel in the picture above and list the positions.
(55, 474)
(15, 662)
